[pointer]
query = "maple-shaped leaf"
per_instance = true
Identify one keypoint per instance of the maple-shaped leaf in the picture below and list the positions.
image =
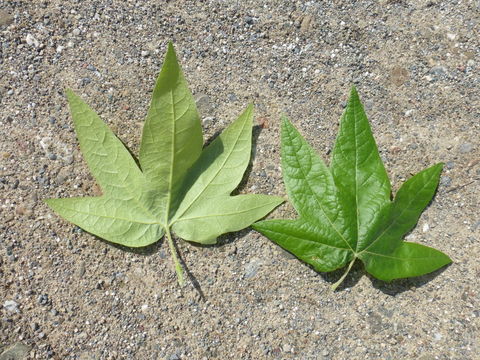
(345, 211)
(178, 186)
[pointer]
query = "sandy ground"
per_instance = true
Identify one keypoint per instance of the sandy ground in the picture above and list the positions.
(66, 295)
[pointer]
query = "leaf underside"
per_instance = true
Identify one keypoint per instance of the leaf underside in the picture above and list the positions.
(178, 185)
(345, 211)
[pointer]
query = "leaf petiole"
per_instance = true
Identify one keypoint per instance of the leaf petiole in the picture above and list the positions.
(335, 286)
(173, 251)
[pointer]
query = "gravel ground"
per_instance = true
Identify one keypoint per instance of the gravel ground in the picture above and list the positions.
(66, 295)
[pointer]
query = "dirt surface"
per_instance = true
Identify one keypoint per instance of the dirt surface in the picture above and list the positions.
(67, 295)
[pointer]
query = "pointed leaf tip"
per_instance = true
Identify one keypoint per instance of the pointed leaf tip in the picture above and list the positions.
(170, 47)
(70, 94)
(249, 110)
(354, 97)
(285, 121)
(171, 59)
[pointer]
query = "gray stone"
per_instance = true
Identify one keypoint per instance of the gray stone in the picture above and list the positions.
(5, 18)
(204, 104)
(18, 351)
(10, 306)
(208, 120)
(42, 299)
(445, 181)
(251, 269)
(438, 70)
(465, 148)
(32, 41)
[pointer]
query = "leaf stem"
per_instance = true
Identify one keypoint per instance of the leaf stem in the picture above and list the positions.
(173, 251)
(335, 286)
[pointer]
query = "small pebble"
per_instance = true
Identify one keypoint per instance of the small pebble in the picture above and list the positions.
(11, 306)
(204, 104)
(5, 18)
(251, 268)
(445, 181)
(32, 41)
(208, 120)
(451, 36)
(466, 148)
(42, 299)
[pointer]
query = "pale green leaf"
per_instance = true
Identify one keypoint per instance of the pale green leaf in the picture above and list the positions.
(123, 222)
(179, 186)
(207, 210)
(172, 133)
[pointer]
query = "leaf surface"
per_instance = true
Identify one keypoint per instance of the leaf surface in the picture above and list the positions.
(345, 211)
(178, 186)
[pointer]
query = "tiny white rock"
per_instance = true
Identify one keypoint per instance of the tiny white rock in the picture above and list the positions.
(31, 40)
(425, 227)
(451, 36)
(10, 306)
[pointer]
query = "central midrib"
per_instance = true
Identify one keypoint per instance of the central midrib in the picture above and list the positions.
(179, 216)
(394, 221)
(356, 176)
(304, 175)
(172, 158)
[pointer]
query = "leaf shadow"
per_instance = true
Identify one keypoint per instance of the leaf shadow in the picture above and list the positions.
(224, 239)
(392, 288)
(353, 277)
(148, 250)
(155, 248)
(193, 279)
(256, 131)
(399, 286)
(212, 149)
(134, 156)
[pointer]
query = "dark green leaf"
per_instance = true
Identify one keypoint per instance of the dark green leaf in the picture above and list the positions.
(345, 212)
